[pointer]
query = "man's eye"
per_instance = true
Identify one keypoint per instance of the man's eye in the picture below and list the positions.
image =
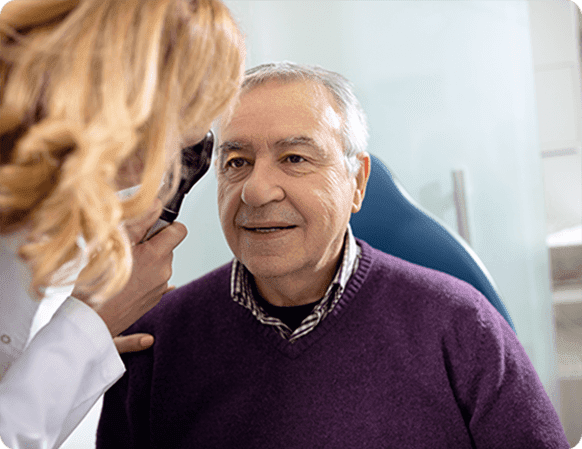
(294, 158)
(236, 162)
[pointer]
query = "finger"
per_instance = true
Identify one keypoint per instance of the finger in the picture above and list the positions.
(133, 343)
(168, 238)
(137, 228)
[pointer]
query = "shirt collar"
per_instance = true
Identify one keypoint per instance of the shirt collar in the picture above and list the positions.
(240, 286)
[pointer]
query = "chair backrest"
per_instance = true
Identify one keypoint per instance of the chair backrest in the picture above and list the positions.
(391, 221)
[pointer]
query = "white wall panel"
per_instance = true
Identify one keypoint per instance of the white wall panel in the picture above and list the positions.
(554, 25)
(558, 100)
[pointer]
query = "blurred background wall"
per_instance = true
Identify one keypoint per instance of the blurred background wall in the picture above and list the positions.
(487, 87)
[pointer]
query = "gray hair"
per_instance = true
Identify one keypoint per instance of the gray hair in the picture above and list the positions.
(354, 132)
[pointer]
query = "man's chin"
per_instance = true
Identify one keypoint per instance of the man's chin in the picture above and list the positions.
(270, 267)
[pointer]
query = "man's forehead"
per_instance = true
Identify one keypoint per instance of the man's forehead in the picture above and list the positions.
(280, 110)
(286, 94)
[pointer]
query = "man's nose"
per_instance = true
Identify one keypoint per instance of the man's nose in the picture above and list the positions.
(263, 185)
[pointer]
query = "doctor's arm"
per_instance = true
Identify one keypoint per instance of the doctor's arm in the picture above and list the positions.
(73, 360)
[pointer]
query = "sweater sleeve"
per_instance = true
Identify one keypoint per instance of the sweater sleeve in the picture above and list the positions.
(500, 395)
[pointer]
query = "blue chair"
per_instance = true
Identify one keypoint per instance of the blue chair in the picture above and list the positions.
(391, 221)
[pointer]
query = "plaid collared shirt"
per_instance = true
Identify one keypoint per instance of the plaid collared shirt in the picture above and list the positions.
(242, 292)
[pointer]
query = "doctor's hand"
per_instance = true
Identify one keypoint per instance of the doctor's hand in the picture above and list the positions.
(135, 342)
(152, 269)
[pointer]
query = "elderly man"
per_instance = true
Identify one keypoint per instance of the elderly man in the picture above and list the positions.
(310, 337)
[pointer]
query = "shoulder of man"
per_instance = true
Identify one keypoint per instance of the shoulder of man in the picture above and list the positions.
(428, 295)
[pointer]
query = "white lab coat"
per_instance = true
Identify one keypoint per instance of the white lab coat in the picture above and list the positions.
(49, 385)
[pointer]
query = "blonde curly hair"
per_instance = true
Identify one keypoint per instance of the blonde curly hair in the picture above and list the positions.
(86, 87)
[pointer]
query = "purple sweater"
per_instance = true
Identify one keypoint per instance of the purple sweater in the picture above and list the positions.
(409, 358)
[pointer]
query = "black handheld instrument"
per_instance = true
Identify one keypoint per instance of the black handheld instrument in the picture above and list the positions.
(195, 163)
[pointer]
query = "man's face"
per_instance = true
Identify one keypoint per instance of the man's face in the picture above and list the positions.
(284, 192)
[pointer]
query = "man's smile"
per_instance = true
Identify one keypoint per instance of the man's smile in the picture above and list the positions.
(267, 228)
(273, 229)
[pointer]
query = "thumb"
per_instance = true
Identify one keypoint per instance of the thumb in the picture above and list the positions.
(133, 343)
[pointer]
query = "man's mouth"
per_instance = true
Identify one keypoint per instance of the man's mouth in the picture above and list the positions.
(266, 230)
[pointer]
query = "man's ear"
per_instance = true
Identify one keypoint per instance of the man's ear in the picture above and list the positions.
(361, 180)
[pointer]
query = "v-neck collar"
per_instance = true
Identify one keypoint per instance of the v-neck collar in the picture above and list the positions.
(296, 348)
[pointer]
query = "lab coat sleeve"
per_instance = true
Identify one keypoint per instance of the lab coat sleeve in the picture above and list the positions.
(68, 365)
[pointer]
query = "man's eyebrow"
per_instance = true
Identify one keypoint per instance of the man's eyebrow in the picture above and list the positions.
(296, 140)
(293, 141)
(229, 146)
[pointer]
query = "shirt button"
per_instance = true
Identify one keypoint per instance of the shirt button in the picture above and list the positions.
(5, 339)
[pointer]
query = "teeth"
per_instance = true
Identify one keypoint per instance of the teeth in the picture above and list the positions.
(266, 230)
